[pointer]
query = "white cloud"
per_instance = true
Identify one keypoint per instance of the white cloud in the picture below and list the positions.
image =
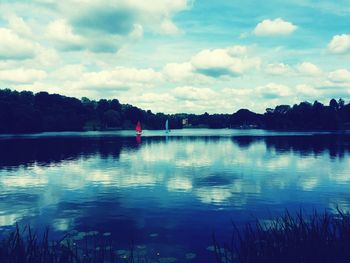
(100, 26)
(178, 71)
(193, 93)
(14, 47)
(273, 91)
(21, 75)
(137, 75)
(169, 28)
(152, 97)
(306, 90)
(237, 51)
(68, 72)
(158, 102)
(229, 61)
(236, 92)
(217, 58)
(153, 6)
(76, 80)
(340, 76)
(120, 77)
(339, 44)
(61, 33)
(277, 69)
(120, 16)
(137, 32)
(47, 58)
(18, 25)
(305, 69)
(274, 27)
(309, 69)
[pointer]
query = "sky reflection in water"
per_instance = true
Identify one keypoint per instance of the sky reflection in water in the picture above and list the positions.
(181, 188)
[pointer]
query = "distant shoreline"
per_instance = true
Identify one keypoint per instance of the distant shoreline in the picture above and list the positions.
(26, 112)
(177, 132)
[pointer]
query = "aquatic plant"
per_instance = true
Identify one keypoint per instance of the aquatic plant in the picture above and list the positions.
(317, 238)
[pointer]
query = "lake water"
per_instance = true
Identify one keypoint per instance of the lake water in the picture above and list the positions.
(169, 194)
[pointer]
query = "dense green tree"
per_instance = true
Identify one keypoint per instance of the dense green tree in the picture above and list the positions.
(333, 104)
(115, 105)
(112, 118)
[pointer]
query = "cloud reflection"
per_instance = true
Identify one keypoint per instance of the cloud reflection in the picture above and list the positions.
(225, 172)
(179, 184)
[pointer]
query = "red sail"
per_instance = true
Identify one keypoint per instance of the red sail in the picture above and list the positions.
(138, 127)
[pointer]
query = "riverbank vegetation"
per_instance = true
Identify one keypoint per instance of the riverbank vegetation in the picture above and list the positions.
(26, 112)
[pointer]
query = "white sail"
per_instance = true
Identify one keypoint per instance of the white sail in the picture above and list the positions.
(167, 126)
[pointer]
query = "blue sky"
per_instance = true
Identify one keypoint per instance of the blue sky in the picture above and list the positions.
(179, 55)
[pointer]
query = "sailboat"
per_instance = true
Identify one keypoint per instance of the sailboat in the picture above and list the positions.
(138, 128)
(167, 126)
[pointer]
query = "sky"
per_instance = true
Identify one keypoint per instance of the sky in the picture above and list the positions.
(176, 56)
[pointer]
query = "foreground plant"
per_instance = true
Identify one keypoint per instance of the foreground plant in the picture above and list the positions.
(24, 246)
(316, 238)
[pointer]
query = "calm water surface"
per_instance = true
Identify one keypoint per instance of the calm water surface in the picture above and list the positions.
(168, 193)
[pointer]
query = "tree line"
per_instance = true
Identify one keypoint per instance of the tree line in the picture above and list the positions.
(26, 112)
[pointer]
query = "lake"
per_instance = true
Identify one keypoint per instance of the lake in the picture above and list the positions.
(169, 194)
